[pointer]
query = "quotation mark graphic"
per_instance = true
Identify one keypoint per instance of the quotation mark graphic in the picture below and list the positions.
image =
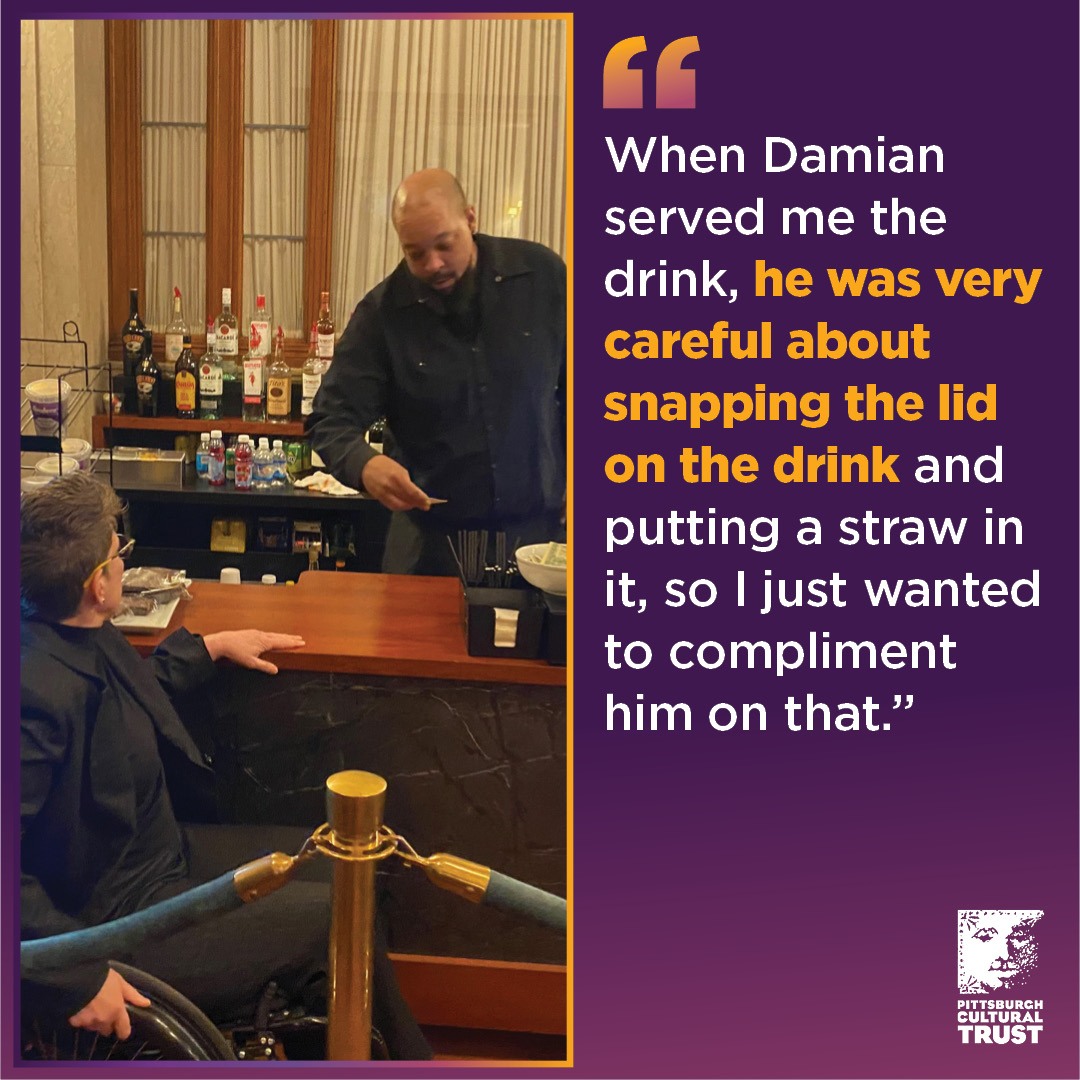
(676, 86)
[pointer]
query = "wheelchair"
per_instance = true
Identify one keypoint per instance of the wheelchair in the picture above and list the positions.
(173, 1028)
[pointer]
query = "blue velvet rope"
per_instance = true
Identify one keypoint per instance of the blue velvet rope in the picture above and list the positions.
(509, 894)
(120, 936)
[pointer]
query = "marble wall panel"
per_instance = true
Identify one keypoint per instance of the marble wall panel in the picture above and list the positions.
(476, 770)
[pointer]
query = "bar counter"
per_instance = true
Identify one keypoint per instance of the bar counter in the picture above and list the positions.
(473, 749)
(363, 624)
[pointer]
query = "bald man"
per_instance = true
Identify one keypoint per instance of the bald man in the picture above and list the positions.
(463, 350)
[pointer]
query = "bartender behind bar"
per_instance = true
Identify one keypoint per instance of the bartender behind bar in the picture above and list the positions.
(463, 350)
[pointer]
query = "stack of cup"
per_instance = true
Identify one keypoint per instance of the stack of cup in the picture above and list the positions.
(48, 405)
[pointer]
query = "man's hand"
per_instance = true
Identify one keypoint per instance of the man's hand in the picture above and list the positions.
(384, 479)
(107, 1012)
(245, 647)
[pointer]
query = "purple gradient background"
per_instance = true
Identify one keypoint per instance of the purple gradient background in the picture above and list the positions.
(781, 905)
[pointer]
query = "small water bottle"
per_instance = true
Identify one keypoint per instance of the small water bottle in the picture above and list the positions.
(202, 455)
(278, 464)
(262, 464)
(215, 459)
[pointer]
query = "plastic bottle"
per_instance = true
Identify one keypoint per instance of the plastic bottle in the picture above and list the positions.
(202, 455)
(279, 477)
(243, 464)
(263, 467)
(215, 461)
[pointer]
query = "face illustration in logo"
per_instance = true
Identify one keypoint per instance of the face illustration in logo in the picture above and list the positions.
(998, 950)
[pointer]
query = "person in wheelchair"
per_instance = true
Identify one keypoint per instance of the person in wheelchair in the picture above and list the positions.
(109, 772)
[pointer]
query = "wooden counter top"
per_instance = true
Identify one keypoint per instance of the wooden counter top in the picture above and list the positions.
(364, 624)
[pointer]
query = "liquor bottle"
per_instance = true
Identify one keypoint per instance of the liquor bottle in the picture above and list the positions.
(311, 378)
(376, 434)
(279, 384)
(243, 464)
(174, 335)
(325, 328)
(147, 385)
(254, 390)
(210, 381)
(259, 341)
(136, 335)
(215, 462)
(186, 381)
(228, 341)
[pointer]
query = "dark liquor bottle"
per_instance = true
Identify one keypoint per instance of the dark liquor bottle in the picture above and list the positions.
(187, 381)
(325, 331)
(147, 385)
(136, 336)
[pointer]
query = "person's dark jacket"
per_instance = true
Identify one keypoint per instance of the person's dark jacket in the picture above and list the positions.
(478, 420)
(77, 794)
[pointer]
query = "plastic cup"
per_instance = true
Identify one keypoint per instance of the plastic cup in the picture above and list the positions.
(34, 481)
(48, 405)
(230, 575)
(55, 464)
(79, 449)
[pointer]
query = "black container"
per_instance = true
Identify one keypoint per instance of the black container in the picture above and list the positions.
(478, 619)
(553, 646)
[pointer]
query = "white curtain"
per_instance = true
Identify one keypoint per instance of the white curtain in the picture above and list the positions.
(484, 98)
(174, 169)
(277, 91)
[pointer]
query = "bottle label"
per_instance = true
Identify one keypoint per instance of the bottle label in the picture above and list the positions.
(185, 392)
(242, 479)
(227, 341)
(174, 346)
(145, 384)
(279, 396)
(210, 381)
(133, 345)
(324, 346)
(215, 469)
(311, 384)
(307, 406)
(253, 380)
(260, 338)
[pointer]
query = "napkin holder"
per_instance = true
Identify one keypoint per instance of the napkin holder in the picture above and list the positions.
(506, 623)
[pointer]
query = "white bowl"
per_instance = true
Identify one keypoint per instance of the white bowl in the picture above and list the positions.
(549, 577)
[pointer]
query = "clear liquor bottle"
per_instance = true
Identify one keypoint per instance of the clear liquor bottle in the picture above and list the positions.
(211, 386)
(259, 340)
(228, 339)
(254, 389)
(174, 335)
(311, 377)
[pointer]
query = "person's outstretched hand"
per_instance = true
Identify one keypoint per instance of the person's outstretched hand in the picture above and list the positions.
(245, 647)
(107, 1012)
(389, 482)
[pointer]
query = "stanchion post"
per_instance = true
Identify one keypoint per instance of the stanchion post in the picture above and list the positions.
(354, 811)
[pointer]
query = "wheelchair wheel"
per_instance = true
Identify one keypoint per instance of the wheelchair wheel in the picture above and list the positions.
(171, 1029)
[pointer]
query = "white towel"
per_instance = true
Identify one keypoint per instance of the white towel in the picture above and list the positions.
(320, 481)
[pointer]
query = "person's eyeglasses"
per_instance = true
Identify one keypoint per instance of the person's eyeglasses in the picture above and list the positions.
(122, 551)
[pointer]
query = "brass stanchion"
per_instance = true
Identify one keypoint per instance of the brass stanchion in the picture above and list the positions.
(354, 805)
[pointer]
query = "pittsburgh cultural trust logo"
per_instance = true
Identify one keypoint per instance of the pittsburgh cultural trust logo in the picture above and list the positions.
(997, 952)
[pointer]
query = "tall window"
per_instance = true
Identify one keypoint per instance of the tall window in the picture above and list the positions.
(262, 154)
